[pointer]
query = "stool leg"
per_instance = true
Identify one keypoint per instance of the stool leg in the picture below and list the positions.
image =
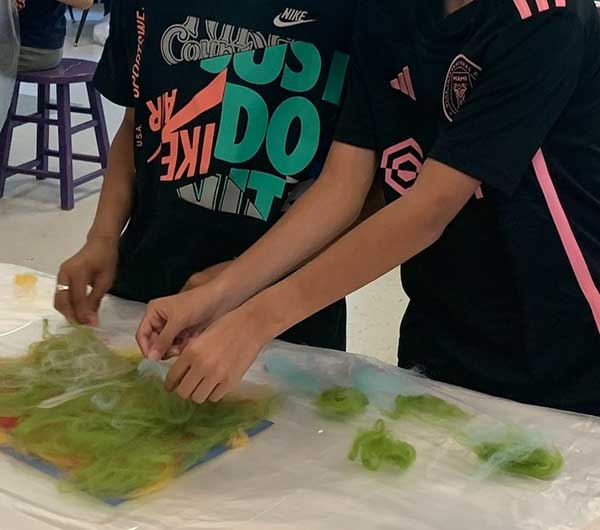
(65, 147)
(100, 128)
(6, 135)
(43, 129)
(84, 16)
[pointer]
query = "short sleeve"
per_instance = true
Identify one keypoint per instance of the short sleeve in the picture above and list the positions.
(356, 126)
(526, 81)
(113, 75)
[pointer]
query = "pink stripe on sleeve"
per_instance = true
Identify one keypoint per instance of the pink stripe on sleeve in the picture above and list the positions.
(543, 5)
(523, 8)
(574, 253)
(561, 3)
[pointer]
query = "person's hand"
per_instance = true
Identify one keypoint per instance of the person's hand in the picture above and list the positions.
(95, 265)
(202, 278)
(20, 5)
(214, 362)
(170, 322)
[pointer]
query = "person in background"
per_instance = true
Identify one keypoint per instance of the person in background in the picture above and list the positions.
(482, 120)
(43, 29)
(231, 110)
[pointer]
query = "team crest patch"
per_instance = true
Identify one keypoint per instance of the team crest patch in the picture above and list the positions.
(461, 78)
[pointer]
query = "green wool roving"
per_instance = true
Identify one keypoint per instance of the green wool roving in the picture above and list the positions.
(427, 407)
(377, 447)
(58, 364)
(342, 403)
(115, 433)
(514, 453)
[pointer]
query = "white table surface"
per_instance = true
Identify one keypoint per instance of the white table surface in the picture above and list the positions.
(296, 475)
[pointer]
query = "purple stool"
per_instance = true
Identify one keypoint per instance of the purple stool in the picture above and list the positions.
(68, 72)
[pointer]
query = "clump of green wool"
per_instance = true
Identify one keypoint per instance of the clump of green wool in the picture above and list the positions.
(378, 447)
(427, 407)
(115, 436)
(341, 403)
(515, 454)
(55, 365)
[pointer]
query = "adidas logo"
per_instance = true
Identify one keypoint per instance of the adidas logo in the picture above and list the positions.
(403, 83)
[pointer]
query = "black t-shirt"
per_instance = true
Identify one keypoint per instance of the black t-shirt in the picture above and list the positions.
(508, 92)
(236, 105)
(43, 24)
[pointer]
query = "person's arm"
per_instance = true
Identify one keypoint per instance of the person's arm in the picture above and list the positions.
(214, 362)
(374, 202)
(79, 4)
(388, 239)
(95, 264)
(321, 215)
(324, 212)
(114, 206)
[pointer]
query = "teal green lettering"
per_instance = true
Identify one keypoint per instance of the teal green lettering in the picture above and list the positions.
(310, 128)
(215, 65)
(239, 177)
(309, 57)
(240, 99)
(336, 79)
(267, 187)
(262, 73)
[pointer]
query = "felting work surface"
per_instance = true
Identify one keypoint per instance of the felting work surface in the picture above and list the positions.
(296, 474)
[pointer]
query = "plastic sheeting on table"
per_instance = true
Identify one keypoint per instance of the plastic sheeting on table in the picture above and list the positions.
(9, 54)
(296, 475)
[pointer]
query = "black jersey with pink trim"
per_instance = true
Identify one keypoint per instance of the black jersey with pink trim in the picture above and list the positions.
(508, 92)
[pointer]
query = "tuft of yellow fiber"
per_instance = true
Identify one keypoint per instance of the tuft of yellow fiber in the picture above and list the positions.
(238, 440)
(26, 280)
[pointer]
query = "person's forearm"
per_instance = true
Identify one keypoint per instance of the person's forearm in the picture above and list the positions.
(79, 4)
(394, 235)
(325, 211)
(114, 206)
(313, 222)
(374, 202)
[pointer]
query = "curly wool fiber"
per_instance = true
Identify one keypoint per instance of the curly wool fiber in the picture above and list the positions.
(377, 447)
(512, 452)
(342, 403)
(57, 364)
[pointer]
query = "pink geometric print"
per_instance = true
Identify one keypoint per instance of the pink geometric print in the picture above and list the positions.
(402, 163)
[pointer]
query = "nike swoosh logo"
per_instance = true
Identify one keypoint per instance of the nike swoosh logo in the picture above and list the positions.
(280, 23)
